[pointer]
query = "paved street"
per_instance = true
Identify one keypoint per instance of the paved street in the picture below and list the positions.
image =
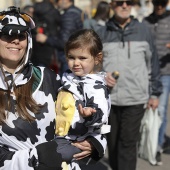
(142, 164)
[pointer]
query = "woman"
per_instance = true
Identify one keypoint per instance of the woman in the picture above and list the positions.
(100, 18)
(26, 118)
(27, 107)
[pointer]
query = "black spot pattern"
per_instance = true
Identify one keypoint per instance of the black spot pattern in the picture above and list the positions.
(104, 88)
(44, 110)
(22, 130)
(79, 130)
(32, 161)
(50, 131)
(5, 21)
(5, 154)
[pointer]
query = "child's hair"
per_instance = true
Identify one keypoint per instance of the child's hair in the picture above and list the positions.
(85, 38)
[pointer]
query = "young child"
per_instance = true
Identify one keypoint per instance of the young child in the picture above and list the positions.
(83, 102)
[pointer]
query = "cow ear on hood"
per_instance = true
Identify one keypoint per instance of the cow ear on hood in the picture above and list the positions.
(14, 22)
(29, 20)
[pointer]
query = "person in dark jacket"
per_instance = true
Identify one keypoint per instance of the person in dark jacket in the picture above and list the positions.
(47, 20)
(128, 48)
(159, 23)
(71, 21)
(28, 9)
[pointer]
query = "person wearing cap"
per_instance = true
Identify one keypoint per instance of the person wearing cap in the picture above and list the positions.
(128, 48)
(159, 23)
(27, 107)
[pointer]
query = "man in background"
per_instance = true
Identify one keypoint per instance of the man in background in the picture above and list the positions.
(128, 49)
(159, 23)
(71, 20)
(47, 20)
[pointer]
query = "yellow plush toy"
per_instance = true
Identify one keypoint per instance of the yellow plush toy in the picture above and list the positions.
(65, 109)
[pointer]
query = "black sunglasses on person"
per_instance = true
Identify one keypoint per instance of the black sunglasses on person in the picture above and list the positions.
(120, 3)
(21, 36)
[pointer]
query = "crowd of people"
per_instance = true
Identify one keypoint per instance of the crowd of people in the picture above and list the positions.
(61, 105)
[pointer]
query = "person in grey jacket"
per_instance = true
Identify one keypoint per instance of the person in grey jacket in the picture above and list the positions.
(128, 49)
(159, 23)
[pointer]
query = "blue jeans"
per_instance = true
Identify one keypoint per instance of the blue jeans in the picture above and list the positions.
(163, 106)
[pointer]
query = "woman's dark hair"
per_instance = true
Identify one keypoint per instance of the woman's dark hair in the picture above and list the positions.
(86, 38)
(102, 11)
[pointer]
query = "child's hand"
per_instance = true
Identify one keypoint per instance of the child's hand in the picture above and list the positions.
(85, 112)
(110, 79)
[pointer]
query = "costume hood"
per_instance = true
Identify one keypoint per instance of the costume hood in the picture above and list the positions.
(14, 22)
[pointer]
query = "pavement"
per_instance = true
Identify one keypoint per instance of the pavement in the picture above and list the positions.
(141, 164)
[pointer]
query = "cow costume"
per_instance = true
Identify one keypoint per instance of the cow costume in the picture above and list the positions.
(20, 140)
(28, 145)
(89, 91)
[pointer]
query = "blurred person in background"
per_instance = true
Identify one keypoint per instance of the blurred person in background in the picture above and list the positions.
(128, 48)
(28, 9)
(100, 18)
(135, 11)
(159, 23)
(71, 20)
(47, 20)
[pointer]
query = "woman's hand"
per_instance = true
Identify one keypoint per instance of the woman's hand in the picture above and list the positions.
(41, 38)
(86, 147)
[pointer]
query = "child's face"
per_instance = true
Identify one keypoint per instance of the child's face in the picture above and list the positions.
(80, 61)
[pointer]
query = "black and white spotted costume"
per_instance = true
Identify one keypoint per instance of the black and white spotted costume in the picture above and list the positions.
(19, 138)
(89, 91)
(22, 142)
